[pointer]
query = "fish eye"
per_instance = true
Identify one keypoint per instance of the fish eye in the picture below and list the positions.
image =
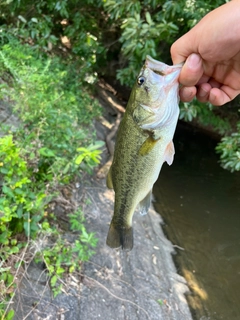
(140, 80)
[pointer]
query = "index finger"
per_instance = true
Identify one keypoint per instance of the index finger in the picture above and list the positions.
(181, 49)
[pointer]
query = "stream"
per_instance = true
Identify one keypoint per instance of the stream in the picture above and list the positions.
(199, 203)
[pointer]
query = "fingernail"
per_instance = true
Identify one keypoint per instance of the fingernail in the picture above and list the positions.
(193, 60)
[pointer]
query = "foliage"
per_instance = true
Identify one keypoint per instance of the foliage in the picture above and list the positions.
(141, 27)
(6, 284)
(61, 255)
(52, 132)
(205, 115)
(43, 24)
(229, 150)
(188, 111)
(54, 142)
(229, 146)
(149, 27)
(21, 208)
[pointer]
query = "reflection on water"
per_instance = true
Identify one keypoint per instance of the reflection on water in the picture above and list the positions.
(200, 205)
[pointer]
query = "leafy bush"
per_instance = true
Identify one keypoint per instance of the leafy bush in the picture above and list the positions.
(205, 115)
(20, 207)
(229, 150)
(62, 255)
(150, 27)
(46, 22)
(55, 114)
(55, 141)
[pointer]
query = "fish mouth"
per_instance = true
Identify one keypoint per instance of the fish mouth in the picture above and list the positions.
(161, 68)
(161, 73)
(158, 72)
(166, 79)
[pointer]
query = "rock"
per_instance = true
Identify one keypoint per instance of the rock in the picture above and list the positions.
(7, 118)
(140, 284)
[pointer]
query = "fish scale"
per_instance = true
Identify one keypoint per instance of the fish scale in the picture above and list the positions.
(143, 144)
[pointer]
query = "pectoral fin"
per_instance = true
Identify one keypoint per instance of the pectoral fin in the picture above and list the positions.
(144, 205)
(169, 153)
(147, 146)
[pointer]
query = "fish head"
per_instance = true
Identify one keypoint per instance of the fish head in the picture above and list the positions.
(156, 92)
(147, 86)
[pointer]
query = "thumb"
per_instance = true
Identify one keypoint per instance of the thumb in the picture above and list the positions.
(192, 70)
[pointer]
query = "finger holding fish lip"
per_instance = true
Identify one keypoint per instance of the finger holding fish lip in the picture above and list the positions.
(190, 75)
(192, 71)
(194, 83)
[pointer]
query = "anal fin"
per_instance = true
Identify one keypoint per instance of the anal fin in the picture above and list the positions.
(145, 204)
(169, 153)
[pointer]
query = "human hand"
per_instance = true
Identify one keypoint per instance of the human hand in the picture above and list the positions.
(211, 51)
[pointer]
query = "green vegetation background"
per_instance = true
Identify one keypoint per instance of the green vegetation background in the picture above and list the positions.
(51, 55)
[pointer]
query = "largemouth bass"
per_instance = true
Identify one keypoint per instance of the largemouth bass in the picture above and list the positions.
(143, 144)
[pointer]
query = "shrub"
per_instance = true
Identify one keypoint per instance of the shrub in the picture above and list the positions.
(229, 150)
(54, 142)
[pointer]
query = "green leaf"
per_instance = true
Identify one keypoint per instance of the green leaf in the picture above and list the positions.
(79, 159)
(26, 226)
(4, 170)
(46, 152)
(53, 280)
(20, 211)
(10, 315)
(8, 191)
(160, 302)
(22, 19)
(34, 20)
(148, 18)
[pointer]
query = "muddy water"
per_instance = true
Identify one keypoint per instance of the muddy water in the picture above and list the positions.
(200, 206)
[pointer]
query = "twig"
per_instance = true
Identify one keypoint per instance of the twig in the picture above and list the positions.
(116, 297)
(16, 274)
(178, 247)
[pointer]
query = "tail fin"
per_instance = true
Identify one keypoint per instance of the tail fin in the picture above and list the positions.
(120, 237)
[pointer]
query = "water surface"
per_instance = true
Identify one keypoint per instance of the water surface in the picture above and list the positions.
(200, 205)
